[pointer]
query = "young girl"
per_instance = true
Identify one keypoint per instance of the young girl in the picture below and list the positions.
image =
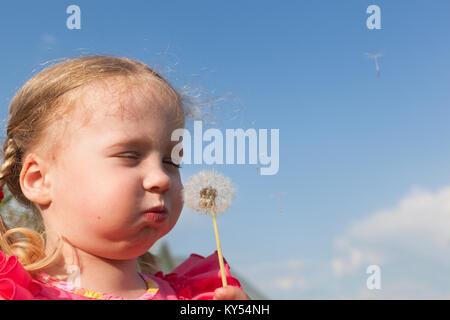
(88, 151)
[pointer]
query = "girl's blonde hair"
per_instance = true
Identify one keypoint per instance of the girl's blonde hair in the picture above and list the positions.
(41, 102)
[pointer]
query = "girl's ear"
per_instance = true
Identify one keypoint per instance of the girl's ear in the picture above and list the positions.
(34, 179)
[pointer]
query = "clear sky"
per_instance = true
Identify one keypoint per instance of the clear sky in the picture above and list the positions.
(364, 175)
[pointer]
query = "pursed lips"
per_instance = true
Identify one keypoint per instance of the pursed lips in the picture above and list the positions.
(156, 214)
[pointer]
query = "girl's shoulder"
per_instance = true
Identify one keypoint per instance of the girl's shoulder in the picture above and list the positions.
(17, 284)
(195, 278)
(15, 281)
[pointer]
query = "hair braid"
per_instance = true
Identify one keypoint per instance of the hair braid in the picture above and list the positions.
(29, 246)
(9, 152)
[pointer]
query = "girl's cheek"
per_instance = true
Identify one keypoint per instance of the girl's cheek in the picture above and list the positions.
(178, 196)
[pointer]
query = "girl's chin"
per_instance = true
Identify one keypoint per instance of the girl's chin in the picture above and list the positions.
(129, 246)
(138, 248)
(125, 254)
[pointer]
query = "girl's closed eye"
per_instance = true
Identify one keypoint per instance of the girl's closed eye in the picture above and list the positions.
(129, 156)
(134, 155)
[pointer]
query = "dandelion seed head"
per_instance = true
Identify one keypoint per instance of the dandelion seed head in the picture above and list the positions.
(207, 190)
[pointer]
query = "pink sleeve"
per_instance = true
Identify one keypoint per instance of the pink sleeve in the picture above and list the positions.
(197, 277)
(15, 282)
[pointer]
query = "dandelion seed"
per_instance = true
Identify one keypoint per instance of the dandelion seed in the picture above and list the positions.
(278, 196)
(375, 57)
(210, 192)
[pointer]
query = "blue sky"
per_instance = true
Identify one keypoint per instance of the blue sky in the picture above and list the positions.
(364, 161)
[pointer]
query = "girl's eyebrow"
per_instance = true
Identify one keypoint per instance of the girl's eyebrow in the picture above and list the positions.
(129, 142)
(137, 142)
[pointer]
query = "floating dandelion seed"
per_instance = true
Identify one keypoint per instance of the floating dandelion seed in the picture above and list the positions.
(278, 196)
(375, 57)
(210, 192)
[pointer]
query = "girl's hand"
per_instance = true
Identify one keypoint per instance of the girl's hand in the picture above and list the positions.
(230, 293)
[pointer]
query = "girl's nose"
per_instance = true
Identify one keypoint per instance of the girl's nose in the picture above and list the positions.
(157, 179)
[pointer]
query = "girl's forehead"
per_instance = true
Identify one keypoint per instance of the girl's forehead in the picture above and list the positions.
(125, 101)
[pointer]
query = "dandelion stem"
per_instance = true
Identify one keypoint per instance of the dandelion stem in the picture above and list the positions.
(219, 251)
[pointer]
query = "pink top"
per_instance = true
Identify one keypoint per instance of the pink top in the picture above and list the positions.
(194, 279)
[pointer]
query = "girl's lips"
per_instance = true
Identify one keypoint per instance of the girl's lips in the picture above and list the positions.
(160, 209)
(156, 214)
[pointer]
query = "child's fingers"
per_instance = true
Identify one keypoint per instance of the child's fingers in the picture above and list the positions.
(230, 293)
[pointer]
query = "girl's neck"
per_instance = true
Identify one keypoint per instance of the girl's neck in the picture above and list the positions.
(115, 277)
